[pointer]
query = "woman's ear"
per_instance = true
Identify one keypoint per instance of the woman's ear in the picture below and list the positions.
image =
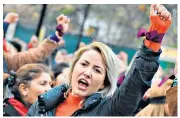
(23, 89)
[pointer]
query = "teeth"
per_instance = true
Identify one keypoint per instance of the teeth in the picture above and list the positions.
(83, 81)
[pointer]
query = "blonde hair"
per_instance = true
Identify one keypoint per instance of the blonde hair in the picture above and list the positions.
(156, 109)
(111, 62)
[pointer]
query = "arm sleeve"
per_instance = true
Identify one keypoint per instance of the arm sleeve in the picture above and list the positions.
(33, 55)
(5, 27)
(128, 95)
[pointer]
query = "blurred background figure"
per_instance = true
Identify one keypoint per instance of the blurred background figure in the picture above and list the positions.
(60, 71)
(171, 93)
(123, 57)
(82, 44)
(61, 56)
(14, 61)
(158, 104)
(23, 88)
(89, 23)
(33, 42)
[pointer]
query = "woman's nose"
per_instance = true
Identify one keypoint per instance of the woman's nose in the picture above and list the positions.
(88, 73)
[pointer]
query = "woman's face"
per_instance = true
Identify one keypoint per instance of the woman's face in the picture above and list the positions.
(88, 74)
(38, 86)
(62, 78)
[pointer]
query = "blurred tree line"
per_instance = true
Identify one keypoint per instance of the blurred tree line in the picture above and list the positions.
(116, 24)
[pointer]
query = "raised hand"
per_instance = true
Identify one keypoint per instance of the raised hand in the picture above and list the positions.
(160, 21)
(63, 26)
(160, 18)
(11, 17)
(64, 21)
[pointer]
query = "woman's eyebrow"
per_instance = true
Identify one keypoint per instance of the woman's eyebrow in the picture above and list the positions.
(86, 61)
(95, 65)
(99, 67)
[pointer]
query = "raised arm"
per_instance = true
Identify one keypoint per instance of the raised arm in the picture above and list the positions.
(43, 50)
(127, 96)
(9, 18)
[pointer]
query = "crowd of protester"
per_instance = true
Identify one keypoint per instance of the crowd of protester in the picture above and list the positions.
(42, 79)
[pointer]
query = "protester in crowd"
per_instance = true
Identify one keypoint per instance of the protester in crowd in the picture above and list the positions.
(13, 62)
(9, 18)
(93, 76)
(60, 73)
(171, 94)
(158, 104)
(33, 42)
(60, 56)
(14, 46)
(157, 79)
(23, 88)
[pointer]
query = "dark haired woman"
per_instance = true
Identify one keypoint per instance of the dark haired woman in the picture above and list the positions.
(24, 87)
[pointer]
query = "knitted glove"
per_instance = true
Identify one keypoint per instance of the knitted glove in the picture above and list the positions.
(159, 25)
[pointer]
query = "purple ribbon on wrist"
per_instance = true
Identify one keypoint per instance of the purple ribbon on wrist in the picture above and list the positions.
(152, 35)
(54, 38)
(59, 28)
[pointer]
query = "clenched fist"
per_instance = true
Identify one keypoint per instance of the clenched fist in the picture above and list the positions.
(160, 18)
(11, 17)
(64, 21)
(160, 21)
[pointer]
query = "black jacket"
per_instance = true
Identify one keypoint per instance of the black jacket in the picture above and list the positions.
(9, 110)
(123, 102)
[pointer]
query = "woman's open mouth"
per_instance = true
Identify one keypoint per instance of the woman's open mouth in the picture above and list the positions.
(83, 84)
